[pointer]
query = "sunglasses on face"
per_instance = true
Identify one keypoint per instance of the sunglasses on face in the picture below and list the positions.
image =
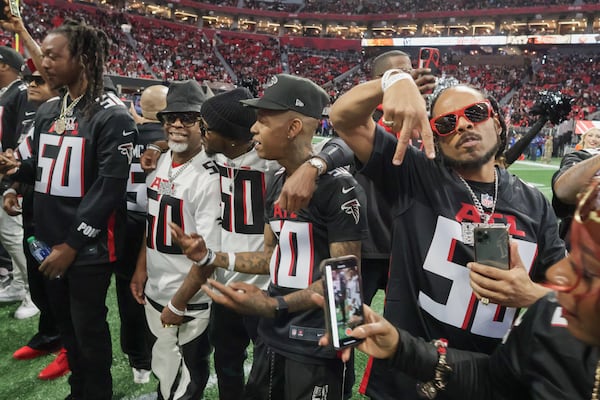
(186, 119)
(583, 259)
(29, 79)
(445, 124)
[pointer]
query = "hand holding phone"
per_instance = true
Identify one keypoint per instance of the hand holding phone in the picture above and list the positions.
(343, 299)
(429, 57)
(492, 246)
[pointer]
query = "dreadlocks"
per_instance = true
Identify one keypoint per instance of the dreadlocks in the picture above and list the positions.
(90, 46)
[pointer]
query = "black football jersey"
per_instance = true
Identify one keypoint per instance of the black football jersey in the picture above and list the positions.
(80, 178)
(137, 199)
(429, 293)
(15, 110)
(336, 213)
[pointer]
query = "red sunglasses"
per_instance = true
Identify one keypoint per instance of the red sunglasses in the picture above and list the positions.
(445, 124)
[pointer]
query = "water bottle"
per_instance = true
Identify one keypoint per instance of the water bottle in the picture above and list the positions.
(39, 250)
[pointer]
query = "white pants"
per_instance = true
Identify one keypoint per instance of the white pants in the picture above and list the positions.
(170, 365)
(11, 237)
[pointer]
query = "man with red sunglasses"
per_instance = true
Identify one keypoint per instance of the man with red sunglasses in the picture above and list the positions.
(436, 205)
(553, 352)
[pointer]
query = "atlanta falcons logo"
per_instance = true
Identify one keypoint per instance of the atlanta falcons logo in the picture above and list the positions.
(127, 150)
(352, 207)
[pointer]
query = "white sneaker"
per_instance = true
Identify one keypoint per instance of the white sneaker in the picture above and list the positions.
(9, 294)
(141, 375)
(27, 309)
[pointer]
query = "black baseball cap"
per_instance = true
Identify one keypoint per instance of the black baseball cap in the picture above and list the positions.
(289, 92)
(12, 58)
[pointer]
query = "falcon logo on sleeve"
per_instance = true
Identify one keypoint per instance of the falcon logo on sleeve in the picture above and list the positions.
(352, 207)
(127, 150)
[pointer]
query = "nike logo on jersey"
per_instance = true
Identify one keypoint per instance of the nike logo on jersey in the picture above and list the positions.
(347, 190)
(127, 133)
(28, 113)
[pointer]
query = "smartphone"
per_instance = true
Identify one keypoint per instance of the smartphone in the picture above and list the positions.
(492, 246)
(128, 104)
(343, 299)
(429, 57)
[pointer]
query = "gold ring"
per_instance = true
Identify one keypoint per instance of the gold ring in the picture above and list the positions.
(485, 301)
(387, 123)
(168, 326)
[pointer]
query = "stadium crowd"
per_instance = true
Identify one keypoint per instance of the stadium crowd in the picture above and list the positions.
(215, 213)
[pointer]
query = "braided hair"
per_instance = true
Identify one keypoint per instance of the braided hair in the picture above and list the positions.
(91, 46)
(495, 108)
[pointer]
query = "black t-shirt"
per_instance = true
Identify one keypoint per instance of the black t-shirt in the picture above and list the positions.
(80, 178)
(428, 293)
(336, 213)
(540, 360)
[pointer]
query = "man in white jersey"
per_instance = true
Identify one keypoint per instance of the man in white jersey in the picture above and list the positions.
(226, 127)
(184, 189)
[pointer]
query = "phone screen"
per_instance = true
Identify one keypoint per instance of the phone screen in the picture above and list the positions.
(492, 246)
(344, 300)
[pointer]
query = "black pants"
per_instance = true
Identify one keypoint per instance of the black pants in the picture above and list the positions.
(47, 337)
(78, 301)
(275, 377)
(136, 339)
(230, 334)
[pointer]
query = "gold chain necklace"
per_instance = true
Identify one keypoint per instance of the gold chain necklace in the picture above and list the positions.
(60, 125)
(596, 390)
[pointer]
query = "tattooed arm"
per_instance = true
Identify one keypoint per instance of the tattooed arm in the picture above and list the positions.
(248, 299)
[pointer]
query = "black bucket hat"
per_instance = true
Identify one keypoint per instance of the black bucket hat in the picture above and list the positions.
(184, 96)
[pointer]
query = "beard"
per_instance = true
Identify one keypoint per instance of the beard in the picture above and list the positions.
(470, 164)
(176, 147)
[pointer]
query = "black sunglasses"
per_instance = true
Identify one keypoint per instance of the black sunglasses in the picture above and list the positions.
(187, 119)
(28, 79)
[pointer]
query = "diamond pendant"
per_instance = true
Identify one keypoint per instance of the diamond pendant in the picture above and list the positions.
(60, 125)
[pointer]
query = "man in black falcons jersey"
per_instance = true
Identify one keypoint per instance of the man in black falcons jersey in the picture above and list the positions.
(79, 167)
(291, 365)
(436, 203)
(551, 353)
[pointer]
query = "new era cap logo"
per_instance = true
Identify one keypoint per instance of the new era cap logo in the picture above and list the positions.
(299, 103)
(271, 82)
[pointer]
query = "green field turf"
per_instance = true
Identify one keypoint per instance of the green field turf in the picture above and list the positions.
(19, 377)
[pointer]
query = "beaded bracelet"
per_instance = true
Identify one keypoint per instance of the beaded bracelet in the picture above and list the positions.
(443, 371)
